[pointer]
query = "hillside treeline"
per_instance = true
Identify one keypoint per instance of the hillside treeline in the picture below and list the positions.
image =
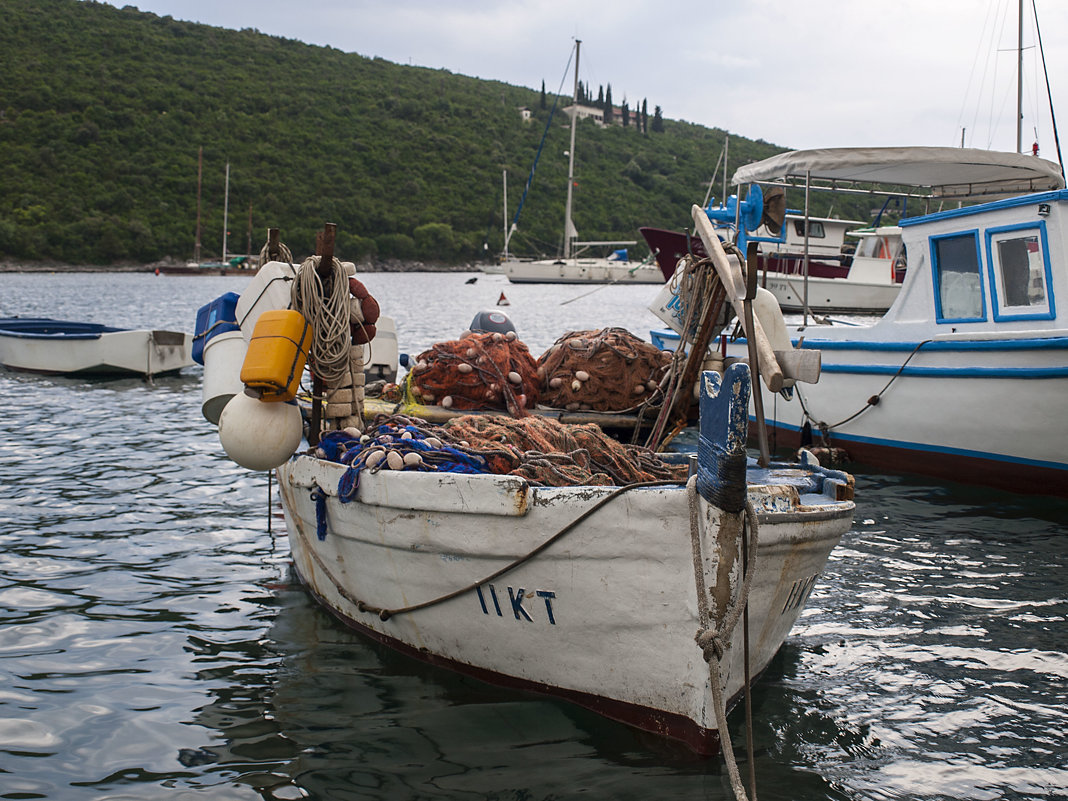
(103, 112)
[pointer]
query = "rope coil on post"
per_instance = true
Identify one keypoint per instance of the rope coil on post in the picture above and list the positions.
(327, 309)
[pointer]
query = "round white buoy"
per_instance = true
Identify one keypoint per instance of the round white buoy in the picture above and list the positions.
(257, 435)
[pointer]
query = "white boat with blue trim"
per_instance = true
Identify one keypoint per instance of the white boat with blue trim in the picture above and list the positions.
(966, 375)
(69, 347)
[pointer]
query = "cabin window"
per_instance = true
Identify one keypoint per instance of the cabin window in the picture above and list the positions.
(1019, 272)
(815, 229)
(958, 282)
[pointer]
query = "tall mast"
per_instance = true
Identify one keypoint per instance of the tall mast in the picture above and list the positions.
(200, 174)
(569, 227)
(1019, 78)
(226, 209)
(504, 179)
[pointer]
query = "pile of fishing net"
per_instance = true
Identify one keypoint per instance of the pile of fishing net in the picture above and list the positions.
(539, 449)
(610, 370)
(479, 371)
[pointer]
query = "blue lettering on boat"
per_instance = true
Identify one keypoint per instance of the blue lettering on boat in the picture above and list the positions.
(515, 598)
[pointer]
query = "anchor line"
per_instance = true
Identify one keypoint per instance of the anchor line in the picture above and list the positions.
(386, 614)
(872, 401)
(714, 639)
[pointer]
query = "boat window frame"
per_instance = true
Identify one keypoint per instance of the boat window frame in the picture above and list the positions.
(1048, 311)
(933, 240)
(813, 227)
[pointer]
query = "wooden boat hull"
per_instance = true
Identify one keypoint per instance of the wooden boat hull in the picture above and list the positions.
(605, 617)
(55, 347)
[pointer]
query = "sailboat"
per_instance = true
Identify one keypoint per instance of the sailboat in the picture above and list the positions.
(234, 265)
(577, 265)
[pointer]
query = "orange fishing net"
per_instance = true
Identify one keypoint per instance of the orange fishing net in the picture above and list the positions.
(610, 370)
(547, 452)
(480, 371)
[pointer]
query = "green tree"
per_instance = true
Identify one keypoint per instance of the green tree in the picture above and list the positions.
(658, 120)
(435, 241)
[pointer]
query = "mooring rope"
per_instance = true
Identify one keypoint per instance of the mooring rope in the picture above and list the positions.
(386, 614)
(714, 639)
(874, 400)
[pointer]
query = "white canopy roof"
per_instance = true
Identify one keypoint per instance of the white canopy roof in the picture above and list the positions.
(947, 172)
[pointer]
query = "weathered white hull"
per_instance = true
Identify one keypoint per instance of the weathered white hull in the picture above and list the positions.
(840, 295)
(581, 271)
(605, 616)
(141, 352)
(984, 410)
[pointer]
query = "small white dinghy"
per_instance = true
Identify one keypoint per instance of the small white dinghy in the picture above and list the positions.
(625, 600)
(62, 347)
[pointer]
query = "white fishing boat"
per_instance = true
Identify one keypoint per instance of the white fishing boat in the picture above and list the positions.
(64, 347)
(625, 600)
(653, 600)
(966, 375)
(579, 264)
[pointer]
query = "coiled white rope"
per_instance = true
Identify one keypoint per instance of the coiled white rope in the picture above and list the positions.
(328, 315)
(283, 252)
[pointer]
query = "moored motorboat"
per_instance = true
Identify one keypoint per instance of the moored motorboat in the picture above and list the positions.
(65, 347)
(965, 376)
(821, 272)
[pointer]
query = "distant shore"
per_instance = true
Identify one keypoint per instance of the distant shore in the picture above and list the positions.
(386, 266)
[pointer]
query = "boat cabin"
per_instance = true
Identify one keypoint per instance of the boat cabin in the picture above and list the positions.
(990, 263)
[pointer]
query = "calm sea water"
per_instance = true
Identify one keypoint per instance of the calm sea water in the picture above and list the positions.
(154, 644)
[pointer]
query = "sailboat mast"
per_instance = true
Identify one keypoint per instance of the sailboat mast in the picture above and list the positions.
(226, 209)
(1019, 77)
(569, 227)
(504, 179)
(200, 175)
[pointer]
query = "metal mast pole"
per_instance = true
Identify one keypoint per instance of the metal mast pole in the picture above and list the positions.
(226, 209)
(568, 226)
(1019, 78)
(200, 174)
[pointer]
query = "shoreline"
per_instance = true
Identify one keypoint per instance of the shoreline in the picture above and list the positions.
(164, 266)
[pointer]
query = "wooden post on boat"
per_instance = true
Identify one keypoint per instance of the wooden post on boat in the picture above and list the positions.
(324, 248)
(274, 250)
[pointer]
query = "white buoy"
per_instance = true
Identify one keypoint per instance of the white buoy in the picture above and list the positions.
(257, 435)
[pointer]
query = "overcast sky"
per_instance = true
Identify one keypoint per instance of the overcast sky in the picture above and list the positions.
(797, 73)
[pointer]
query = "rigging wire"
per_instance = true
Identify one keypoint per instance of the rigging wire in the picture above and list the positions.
(544, 136)
(1049, 94)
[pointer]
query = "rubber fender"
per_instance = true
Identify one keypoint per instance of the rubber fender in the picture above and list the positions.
(368, 305)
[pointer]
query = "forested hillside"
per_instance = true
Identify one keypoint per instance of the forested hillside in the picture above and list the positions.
(103, 112)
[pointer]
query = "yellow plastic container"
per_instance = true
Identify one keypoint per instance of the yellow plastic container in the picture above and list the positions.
(276, 355)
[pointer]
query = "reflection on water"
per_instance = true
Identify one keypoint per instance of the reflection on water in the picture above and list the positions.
(153, 643)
